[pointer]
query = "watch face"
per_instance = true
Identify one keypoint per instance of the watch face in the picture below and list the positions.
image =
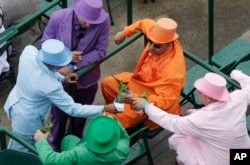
(75, 67)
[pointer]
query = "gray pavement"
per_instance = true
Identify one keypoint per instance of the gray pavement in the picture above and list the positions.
(231, 21)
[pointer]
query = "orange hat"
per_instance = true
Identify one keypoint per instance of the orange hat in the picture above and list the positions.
(164, 31)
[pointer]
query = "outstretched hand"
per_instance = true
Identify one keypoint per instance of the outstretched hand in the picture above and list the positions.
(128, 97)
(110, 108)
(139, 103)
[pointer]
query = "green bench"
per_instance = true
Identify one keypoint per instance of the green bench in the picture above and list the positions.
(235, 55)
(239, 51)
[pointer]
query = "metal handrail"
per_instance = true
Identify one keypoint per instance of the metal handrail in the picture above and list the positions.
(4, 132)
(14, 30)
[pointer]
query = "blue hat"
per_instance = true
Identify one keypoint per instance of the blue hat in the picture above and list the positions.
(54, 53)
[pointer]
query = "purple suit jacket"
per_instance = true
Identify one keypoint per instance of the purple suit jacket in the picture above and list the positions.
(93, 45)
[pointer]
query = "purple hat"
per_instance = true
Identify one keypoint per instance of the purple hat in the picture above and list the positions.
(90, 11)
(213, 85)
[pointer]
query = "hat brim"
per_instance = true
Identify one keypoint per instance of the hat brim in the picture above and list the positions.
(154, 39)
(90, 142)
(199, 85)
(68, 59)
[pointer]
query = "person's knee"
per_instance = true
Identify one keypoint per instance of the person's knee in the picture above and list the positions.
(105, 83)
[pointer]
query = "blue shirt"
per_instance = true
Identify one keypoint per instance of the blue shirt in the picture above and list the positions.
(37, 87)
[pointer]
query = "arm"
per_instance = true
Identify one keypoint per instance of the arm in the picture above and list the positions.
(174, 123)
(189, 125)
(143, 25)
(48, 156)
(56, 95)
(243, 80)
(50, 29)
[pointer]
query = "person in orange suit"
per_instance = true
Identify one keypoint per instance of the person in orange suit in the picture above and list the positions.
(160, 71)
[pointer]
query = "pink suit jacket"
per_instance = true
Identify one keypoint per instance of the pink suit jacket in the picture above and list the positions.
(205, 136)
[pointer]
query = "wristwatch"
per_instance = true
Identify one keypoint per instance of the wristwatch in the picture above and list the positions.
(73, 67)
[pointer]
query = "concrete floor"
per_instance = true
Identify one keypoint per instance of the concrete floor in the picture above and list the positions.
(231, 21)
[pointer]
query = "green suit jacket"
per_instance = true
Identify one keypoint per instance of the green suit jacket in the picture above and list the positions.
(75, 153)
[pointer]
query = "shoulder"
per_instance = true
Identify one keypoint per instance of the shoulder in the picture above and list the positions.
(29, 50)
(61, 13)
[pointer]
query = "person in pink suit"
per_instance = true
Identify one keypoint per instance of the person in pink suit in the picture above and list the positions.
(206, 135)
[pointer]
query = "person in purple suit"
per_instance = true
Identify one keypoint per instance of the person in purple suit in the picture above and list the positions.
(84, 29)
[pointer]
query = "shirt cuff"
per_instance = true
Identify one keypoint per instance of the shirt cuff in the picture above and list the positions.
(145, 106)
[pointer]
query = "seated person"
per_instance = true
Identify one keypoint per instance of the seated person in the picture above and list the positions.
(5, 70)
(206, 135)
(160, 71)
(106, 142)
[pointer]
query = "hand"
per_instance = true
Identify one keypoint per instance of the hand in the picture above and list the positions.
(110, 108)
(128, 97)
(39, 135)
(76, 56)
(64, 70)
(119, 37)
(71, 78)
(139, 103)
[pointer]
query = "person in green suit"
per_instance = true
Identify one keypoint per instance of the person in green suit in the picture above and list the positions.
(106, 142)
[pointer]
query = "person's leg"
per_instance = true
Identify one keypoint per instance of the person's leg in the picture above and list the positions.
(187, 149)
(69, 142)
(17, 146)
(59, 120)
(83, 96)
(109, 87)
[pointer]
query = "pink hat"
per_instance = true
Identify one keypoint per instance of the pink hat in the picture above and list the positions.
(90, 11)
(213, 85)
(164, 31)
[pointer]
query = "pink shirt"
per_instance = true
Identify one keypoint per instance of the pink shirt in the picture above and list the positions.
(205, 136)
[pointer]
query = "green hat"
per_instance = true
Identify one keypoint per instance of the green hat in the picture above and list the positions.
(102, 134)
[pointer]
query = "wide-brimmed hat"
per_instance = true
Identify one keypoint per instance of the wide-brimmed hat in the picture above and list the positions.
(90, 11)
(54, 52)
(102, 134)
(164, 31)
(213, 86)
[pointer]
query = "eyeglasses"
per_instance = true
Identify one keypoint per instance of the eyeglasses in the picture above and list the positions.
(158, 46)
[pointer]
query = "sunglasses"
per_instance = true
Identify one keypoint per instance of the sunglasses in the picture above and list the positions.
(156, 45)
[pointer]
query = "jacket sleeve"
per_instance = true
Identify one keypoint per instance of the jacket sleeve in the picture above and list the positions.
(183, 125)
(243, 80)
(49, 157)
(143, 25)
(56, 95)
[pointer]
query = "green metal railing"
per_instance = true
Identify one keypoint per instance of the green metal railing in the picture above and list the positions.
(28, 22)
(209, 67)
(4, 133)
